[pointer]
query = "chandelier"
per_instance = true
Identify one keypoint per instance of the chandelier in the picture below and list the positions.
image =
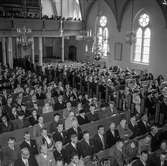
(131, 36)
(24, 38)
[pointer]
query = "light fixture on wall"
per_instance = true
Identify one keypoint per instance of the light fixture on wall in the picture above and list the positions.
(24, 38)
(131, 36)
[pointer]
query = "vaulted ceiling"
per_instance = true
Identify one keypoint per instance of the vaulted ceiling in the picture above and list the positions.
(118, 8)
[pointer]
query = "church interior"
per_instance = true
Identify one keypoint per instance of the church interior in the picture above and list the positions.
(83, 82)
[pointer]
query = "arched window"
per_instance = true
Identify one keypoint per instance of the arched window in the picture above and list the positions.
(143, 37)
(102, 36)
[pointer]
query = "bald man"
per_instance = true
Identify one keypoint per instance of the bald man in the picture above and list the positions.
(25, 159)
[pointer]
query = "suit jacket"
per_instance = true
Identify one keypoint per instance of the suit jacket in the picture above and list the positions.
(49, 161)
(155, 161)
(78, 133)
(31, 161)
(58, 137)
(123, 132)
(37, 131)
(143, 129)
(53, 127)
(85, 148)
(111, 139)
(4, 128)
(93, 117)
(117, 155)
(137, 163)
(82, 120)
(10, 156)
(32, 147)
(69, 151)
(59, 155)
(98, 145)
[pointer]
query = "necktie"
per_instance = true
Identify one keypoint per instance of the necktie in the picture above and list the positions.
(27, 164)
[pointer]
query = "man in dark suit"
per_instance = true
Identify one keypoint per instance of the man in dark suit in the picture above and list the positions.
(60, 135)
(159, 160)
(112, 135)
(59, 152)
(82, 119)
(143, 160)
(143, 125)
(30, 144)
(53, 125)
(133, 126)
(75, 129)
(86, 146)
(99, 140)
(25, 159)
(59, 105)
(10, 153)
(72, 148)
(5, 125)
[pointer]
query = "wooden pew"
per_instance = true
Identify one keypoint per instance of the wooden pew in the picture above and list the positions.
(19, 134)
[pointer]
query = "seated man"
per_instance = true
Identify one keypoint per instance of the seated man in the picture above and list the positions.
(112, 135)
(55, 122)
(99, 140)
(75, 129)
(92, 115)
(86, 146)
(158, 160)
(30, 144)
(143, 125)
(46, 139)
(116, 152)
(10, 153)
(68, 121)
(5, 126)
(45, 158)
(67, 110)
(145, 144)
(123, 130)
(76, 161)
(25, 159)
(60, 134)
(59, 152)
(155, 138)
(72, 148)
(82, 119)
(143, 160)
(133, 126)
(38, 127)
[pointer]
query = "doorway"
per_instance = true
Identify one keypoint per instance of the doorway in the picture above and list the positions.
(72, 53)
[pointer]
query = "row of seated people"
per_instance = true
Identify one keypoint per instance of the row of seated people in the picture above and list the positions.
(23, 102)
(83, 116)
(117, 139)
(110, 81)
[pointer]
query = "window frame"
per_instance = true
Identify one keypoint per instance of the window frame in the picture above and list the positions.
(143, 28)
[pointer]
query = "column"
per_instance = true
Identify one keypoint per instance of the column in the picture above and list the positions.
(4, 51)
(40, 52)
(33, 52)
(62, 49)
(10, 52)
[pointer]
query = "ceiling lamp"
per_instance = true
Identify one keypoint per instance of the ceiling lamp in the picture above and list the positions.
(131, 36)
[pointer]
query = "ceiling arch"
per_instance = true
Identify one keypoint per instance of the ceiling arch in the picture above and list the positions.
(118, 8)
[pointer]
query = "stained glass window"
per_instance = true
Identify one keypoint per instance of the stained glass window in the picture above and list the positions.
(143, 37)
(102, 35)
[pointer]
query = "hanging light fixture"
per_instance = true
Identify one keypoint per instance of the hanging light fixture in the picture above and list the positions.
(131, 36)
(24, 38)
